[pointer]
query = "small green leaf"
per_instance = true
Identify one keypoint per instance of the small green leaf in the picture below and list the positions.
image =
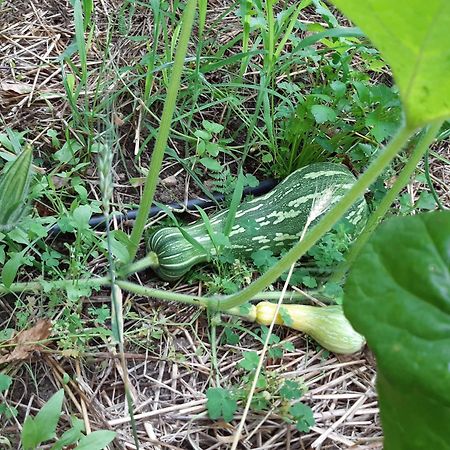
(14, 184)
(263, 258)
(201, 134)
(211, 164)
(338, 88)
(291, 390)
(323, 113)
(213, 149)
(287, 319)
(212, 127)
(220, 404)
(43, 427)
(303, 416)
(97, 440)
(70, 436)
(309, 281)
(81, 217)
(250, 361)
(11, 268)
(231, 338)
(5, 382)
(426, 201)
(398, 296)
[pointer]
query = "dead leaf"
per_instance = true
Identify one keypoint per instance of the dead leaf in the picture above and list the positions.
(59, 182)
(169, 181)
(15, 88)
(26, 341)
(118, 120)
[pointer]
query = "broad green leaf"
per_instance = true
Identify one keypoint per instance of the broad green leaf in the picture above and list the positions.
(81, 216)
(43, 426)
(5, 382)
(413, 37)
(11, 268)
(96, 440)
(303, 416)
(250, 361)
(211, 164)
(212, 127)
(398, 296)
(220, 404)
(14, 184)
(70, 436)
(323, 113)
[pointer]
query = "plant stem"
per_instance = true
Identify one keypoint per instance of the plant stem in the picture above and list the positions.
(149, 261)
(164, 129)
(430, 183)
(324, 225)
(387, 201)
(163, 295)
(39, 285)
(270, 37)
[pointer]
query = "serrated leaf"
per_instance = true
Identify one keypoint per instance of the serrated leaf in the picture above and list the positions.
(250, 361)
(398, 295)
(413, 38)
(263, 258)
(220, 404)
(291, 390)
(303, 416)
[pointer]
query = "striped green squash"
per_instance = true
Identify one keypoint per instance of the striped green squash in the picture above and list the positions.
(274, 221)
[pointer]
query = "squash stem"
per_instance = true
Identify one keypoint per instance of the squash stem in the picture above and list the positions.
(324, 225)
(150, 261)
(163, 295)
(376, 217)
(40, 285)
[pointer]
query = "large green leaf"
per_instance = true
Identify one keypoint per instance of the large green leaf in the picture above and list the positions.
(414, 38)
(398, 296)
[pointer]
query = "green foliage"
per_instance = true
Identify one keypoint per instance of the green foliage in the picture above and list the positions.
(295, 101)
(413, 38)
(303, 416)
(14, 185)
(250, 361)
(42, 428)
(397, 296)
(220, 404)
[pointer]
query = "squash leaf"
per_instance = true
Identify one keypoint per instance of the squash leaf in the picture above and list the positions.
(398, 296)
(413, 38)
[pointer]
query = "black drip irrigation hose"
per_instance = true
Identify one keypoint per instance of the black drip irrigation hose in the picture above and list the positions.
(98, 222)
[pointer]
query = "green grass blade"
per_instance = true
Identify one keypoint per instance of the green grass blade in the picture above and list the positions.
(163, 133)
